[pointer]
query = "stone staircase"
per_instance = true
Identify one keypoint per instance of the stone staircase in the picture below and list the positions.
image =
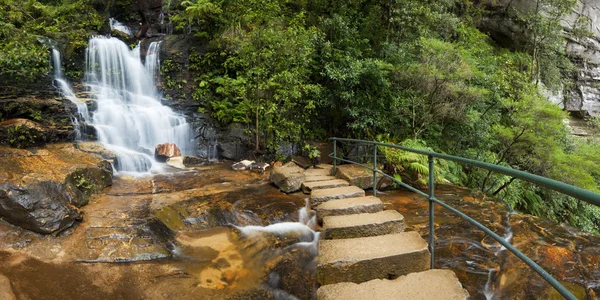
(364, 252)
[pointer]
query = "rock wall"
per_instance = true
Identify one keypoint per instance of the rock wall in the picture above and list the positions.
(584, 97)
(151, 14)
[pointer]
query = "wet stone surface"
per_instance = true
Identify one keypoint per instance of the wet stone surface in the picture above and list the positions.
(484, 267)
(180, 231)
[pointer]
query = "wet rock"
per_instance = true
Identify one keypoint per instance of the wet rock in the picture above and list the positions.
(95, 148)
(259, 167)
(176, 162)
(88, 181)
(47, 118)
(150, 12)
(295, 273)
(235, 142)
(164, 151)
(301, 161)
(41, 207)
(242, 165)
(223, 205)
(193, 161)
(42, 186)
(6, 292)
(23, 133)
(288, 178)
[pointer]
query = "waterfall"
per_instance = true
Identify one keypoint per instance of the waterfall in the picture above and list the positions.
(116, 25)
(130, 120)
(65, 89)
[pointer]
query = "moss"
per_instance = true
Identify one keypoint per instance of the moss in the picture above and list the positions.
(172, 217)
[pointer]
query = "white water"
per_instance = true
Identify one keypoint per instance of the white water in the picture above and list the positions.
(65, 89)
(130, 120)
(489, 289)
(307, 239)
(306, 225)
(116, 25)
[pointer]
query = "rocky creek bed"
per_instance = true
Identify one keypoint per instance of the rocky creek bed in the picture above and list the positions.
(167, 236)
(486, 269)
(196, 234)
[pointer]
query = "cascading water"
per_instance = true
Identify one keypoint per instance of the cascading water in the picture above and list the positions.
(306, 240)
(130, 120)
(489, 289)
(116, 25)
(65, 89)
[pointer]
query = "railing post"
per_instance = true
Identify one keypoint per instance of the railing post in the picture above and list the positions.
(334, 156)
(431, 215)
(375, 170)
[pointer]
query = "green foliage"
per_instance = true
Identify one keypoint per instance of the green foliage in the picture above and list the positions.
(263, 81)
(83, 184)
(21, 136)
(311, 151)
(410, 165)
(25, 26)
(416, 71)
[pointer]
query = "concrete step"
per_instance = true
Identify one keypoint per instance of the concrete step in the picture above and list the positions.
(312, 178)
(362, 225)
(319, 196)
(317, 172)
(349, 206)
(426, 285)
(307, 187)
(357, 175)
(367, 258)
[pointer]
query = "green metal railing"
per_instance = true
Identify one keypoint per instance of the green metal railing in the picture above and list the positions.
(558, 186)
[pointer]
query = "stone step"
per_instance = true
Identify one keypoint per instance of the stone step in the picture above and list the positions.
(367, 258)
(319, 196)
(426, 285)
(362, 225)
(307, 187)
(357, 175)
(327, 167)
(312, 178)
(349, 206)
(317, 172)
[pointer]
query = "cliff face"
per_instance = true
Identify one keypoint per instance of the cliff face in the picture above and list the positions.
(584, 96)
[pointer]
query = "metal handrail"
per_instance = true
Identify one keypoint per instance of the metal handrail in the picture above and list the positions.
(558, 186)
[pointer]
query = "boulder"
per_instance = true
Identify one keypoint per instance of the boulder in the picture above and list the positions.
(259, 166)
(288, 178)
(193, 161)
(301, 161)
(87, 181)
(176, 162)
(41, 188)
(41, 207)
(164, 151)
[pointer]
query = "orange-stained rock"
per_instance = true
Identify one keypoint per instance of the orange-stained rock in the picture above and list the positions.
(41, 188)
(164, 151)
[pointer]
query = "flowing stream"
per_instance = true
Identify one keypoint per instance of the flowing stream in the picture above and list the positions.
(129, 119)
(484, 267)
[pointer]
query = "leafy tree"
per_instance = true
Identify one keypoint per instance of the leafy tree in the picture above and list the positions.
(26, 26)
